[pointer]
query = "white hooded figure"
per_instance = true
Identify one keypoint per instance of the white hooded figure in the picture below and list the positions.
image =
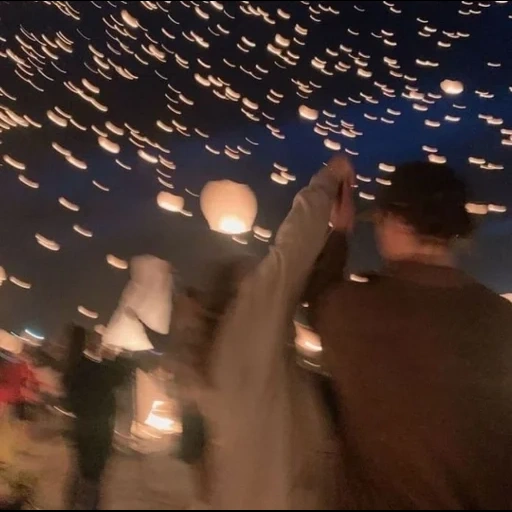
(145, 301)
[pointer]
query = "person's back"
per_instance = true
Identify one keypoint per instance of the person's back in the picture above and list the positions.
(422, 358)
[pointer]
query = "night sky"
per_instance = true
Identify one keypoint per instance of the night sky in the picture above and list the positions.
(229, 75)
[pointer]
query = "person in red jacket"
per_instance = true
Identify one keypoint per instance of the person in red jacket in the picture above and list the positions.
(18, 385)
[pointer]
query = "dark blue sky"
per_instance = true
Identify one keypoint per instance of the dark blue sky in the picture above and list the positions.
(127, 221)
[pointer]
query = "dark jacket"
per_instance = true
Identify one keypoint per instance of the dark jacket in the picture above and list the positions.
(421, 357)
(91, 388)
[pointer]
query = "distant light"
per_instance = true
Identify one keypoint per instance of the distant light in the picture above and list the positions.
(34, 335)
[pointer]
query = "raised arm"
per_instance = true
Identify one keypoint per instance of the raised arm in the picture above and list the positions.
(304, 232)
(329, 268)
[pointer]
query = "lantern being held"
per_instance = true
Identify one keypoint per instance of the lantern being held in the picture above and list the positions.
(229, 207)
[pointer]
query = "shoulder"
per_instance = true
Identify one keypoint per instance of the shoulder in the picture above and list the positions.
(356, 296)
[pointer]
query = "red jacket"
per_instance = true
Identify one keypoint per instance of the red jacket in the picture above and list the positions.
(17, 382)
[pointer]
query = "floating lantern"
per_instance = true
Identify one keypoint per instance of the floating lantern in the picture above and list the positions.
(54, 118)
(477, 209)
(93, 315)
(306, 340)
(116, 262)
(47, 243)
(262, 232)
(130, 20)
(307, 113)
(332, 145)
(75, 162)
(436, 159)
(497, 208)
(69, 205)
(387, 168)
(82, 231)
(109, 146)
(170, 202)
(228, 207)
(452, 87)
(356, 278)
(20, 166)
(19, 283)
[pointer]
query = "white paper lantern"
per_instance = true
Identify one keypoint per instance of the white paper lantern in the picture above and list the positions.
(229, 207)
(306, 340)
(308, 113)
(452, 87)
(170, 202)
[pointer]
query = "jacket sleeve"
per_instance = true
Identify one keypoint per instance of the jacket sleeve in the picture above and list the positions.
(300, 238)
(256, 329)
(327, 273)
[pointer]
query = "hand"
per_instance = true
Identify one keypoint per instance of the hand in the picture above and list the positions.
(341, 166)
(344, 211)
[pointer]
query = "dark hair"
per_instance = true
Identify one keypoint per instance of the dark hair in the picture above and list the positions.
(429, 197)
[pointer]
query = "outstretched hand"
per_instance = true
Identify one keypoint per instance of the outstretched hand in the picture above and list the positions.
(341, 166)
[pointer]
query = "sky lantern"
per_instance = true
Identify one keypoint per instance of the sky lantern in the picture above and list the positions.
(3, 276)
(229, 207)
(307, 341)
(24, 285)
(452, 87)
(108, 145)
(130, 20)
(170, 202)
(310, 114)
(88, 313)
(116, 262)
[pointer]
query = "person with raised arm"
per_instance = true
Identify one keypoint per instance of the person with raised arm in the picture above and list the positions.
(271, 436)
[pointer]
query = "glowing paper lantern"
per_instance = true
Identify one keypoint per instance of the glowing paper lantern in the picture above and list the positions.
(47, 243)
(262, 232)
(109, 146)
(306, 340)
(452, 87)
(332, 145)
(116, 262)
(229, 207)
(19, 283)
(477, 209)
(87, 312)
(130, 20)
(170, 202)
(308, 113)
(3, 276)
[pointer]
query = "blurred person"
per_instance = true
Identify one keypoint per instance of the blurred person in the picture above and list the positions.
(18, 384)
(90, 381)
(271, 438)
(188, 361)
(140, 324)
(421, 359)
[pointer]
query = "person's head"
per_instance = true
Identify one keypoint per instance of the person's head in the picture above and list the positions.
(421, 213)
